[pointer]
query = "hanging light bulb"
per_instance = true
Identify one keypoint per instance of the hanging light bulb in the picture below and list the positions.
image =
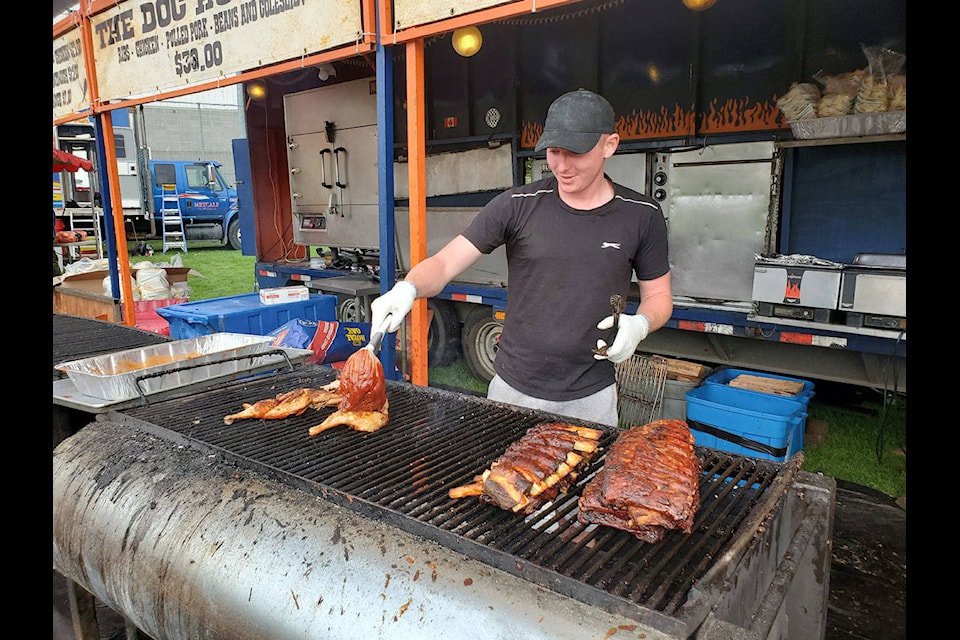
(699, 5)
(467, 41)
(256, 90)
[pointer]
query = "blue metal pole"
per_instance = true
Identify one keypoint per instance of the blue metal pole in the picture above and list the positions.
(385, 189)
(103, 183)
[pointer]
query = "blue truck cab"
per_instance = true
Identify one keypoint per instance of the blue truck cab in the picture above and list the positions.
(208, 204)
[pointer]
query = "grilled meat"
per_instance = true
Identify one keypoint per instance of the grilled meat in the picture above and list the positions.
(363, 402)
(362, 385)
(367, 421)
(649, 483)
(290, 403)
(536, 468)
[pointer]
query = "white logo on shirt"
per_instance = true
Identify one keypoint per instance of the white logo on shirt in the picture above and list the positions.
(610, 245)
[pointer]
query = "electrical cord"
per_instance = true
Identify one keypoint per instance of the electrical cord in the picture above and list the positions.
(892, 365)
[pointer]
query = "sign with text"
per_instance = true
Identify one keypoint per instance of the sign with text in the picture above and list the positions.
(70, 94)
(413, 13)
(150, 46)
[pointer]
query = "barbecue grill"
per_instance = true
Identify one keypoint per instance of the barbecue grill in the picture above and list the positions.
(194, 529)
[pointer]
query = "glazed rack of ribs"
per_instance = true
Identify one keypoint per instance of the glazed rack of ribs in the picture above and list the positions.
(648, 484)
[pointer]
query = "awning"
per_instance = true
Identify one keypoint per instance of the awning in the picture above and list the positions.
(63, 161)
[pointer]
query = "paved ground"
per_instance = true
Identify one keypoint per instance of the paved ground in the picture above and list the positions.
(868, 576)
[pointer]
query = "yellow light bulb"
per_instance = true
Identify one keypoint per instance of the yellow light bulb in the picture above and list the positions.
(256, 91)
(699, 5)
(467, 41)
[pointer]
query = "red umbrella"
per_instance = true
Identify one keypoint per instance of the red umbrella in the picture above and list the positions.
(63, 161)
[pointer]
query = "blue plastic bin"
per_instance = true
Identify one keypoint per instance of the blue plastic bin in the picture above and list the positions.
(723, 376)
(243, 314)
(758, 425)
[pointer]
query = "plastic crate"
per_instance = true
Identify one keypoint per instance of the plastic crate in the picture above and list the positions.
(724, 376)
(243, 314)
(748, 423)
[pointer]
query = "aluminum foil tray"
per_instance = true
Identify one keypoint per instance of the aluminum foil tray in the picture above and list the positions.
(853, 125)
(125, 375)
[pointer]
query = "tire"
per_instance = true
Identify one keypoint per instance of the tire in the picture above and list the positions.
(233, 234)
(350, 310)
(481, 335)
(443, 335)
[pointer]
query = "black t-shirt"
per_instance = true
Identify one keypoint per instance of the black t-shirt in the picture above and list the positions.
(563, 266)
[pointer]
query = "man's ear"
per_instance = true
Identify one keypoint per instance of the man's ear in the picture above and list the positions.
(610, 145)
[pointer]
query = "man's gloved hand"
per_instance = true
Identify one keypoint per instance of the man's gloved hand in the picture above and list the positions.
(631, 330)
(388, 311)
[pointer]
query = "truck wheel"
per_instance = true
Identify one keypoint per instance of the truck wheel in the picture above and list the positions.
(481, 335)
(350, 310)
(443, 335)
(233, 234)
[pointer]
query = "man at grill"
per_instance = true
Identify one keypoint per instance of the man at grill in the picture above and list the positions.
(573, 242)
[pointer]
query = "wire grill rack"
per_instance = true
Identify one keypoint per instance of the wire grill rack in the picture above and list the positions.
(640, 385)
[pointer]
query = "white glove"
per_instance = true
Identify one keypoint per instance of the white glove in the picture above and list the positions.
(388, 311)
(630, 332)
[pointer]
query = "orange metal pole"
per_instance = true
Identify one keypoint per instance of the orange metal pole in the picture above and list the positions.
(120, 232)
(416, 150)
(113, 176)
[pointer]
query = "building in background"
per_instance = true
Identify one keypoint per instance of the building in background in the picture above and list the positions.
(196, 127)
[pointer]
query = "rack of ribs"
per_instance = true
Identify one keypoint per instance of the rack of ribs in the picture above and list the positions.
(649, 483)
(536, 468)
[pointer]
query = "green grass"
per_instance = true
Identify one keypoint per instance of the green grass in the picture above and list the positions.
(223, 272)
(865, 441)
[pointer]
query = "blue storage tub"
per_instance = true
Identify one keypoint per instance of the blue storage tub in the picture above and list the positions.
(723, 376)
(758, 425)
(243, 314)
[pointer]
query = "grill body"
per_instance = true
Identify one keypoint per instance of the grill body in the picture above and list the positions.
(194, 529)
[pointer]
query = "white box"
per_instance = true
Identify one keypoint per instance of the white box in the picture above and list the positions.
(279, 295)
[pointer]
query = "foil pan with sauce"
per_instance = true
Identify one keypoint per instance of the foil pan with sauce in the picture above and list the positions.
(125, 375)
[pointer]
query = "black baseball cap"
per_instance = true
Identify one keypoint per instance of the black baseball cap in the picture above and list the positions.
(575, 122)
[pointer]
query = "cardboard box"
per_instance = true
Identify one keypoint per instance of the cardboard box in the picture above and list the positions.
(92, 281)
(81, 294)
(279, 295)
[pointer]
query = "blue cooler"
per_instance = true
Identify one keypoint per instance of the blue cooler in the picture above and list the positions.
(725, 375)
(243, 314)
(758, 425)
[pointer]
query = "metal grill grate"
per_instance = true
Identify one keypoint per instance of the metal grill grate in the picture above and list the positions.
(640, 384)
(437, 440)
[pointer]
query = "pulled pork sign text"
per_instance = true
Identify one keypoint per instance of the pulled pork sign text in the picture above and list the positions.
(158, 45)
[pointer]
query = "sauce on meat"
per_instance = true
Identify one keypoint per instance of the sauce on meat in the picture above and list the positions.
(362, 385)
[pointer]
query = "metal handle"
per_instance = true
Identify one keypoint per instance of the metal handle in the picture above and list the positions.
(323, 169)
(336, 156)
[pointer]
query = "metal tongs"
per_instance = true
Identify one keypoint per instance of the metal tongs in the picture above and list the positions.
(618, 304)
(376, 338)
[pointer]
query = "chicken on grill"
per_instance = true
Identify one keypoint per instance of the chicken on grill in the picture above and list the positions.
(536, 468)
(363, 395)
(290, 403)
(649, 483)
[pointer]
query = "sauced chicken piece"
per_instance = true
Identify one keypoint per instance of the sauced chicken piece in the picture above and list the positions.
(367, 421)
(288, 404)
(362, 385)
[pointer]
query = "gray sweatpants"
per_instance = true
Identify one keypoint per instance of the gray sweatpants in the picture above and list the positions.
(600, 407)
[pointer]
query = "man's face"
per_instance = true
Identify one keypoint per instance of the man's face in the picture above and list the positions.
(577, 171)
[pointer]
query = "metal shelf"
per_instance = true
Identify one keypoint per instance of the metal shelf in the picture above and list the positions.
(822, 142)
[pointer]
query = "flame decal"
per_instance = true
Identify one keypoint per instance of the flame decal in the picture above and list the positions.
(734, 115)
(741, 115)
(792, 291)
